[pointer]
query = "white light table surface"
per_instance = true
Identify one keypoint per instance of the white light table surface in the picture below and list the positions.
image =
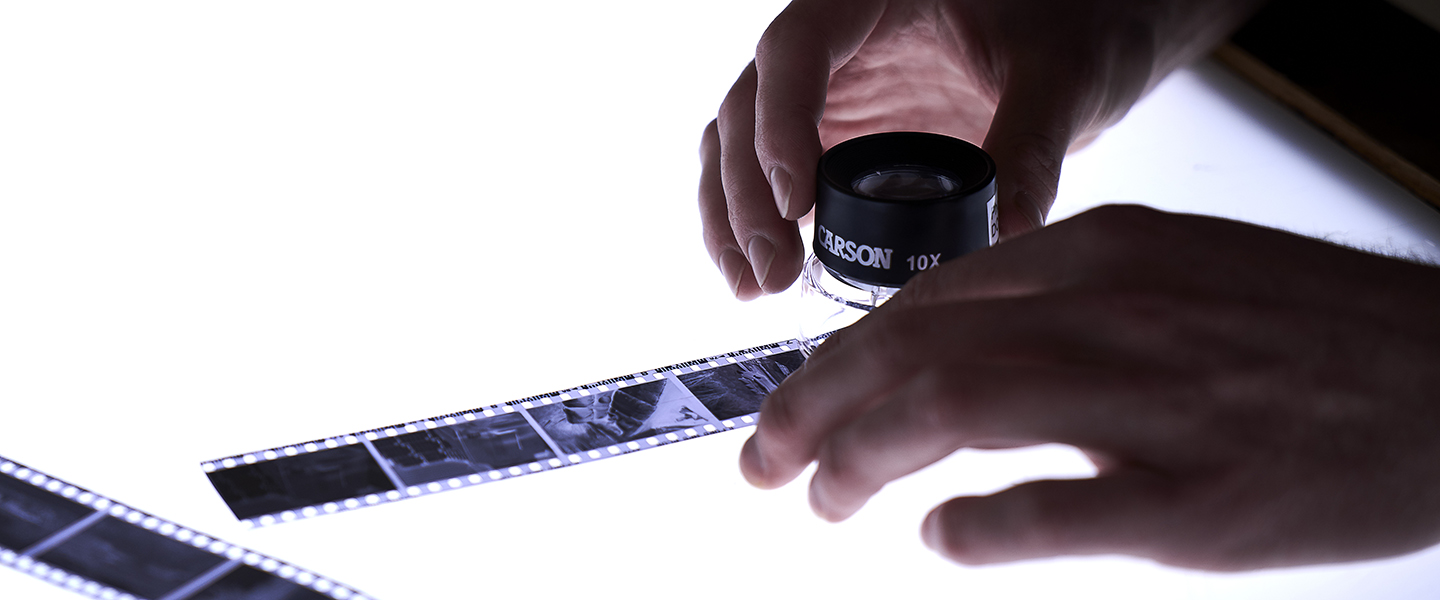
(232, 226)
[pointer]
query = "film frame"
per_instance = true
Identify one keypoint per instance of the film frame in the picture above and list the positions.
(545, 432)
(92, 545)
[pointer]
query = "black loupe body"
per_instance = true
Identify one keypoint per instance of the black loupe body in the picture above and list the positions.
(890, 205)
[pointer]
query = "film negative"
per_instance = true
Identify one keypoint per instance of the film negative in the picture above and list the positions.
(551, 431)
(94, 546)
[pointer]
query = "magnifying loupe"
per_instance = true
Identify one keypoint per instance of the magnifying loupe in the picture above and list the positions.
(887, 207)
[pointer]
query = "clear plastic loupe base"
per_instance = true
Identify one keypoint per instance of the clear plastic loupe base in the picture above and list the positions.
(830, 303)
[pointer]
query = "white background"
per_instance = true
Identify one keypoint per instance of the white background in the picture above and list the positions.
(232, 226)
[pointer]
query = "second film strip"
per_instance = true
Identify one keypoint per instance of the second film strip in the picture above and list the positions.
(94, 546)
(530, 435)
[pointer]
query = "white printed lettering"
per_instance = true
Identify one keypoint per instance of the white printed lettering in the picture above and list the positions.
(865, 255)
(923, 262)
(994, 221)
(869, 256)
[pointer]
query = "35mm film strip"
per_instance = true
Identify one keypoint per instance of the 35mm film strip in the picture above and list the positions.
(530, 435)
(92, 545)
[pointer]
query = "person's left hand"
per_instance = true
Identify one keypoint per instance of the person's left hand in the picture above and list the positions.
(1031, 78)
(1250, 398)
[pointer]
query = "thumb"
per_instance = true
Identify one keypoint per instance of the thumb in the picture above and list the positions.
(1119, 512)
(1034, 124)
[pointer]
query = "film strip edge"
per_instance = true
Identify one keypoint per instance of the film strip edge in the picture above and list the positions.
(47, 556)
(374, 478)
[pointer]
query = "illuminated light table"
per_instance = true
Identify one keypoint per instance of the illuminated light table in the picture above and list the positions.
(230, 228)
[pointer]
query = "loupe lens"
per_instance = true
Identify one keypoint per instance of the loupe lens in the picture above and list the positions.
(906, 182)
(890, 205)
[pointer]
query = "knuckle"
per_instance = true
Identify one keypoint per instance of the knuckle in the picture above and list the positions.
(778, 419)
(890, 343)
(1012, 525)
(772, 41)
(957, 537)
(934, 409)
(776, 143)
(1022, 524)
(1041, 521)
(730, 112)
(1116, 233)
(739, 103)
(783, 33)
(842, 467)
(717, 242)
(1124, 215)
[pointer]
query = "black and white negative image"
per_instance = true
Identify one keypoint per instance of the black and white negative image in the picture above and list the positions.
(463, 449)
(248, 583)
(29, 514)
(130, 558)
(621, 415)
(298, 481)
(737, 390)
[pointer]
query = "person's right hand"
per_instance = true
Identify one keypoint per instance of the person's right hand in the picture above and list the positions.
(1250, 398)
(1029, 77)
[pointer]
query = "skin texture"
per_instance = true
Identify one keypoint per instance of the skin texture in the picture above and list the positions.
(1252, 398)
(1031, 78)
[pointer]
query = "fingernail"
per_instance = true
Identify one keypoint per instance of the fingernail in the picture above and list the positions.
(762, 253)
(732, 266)
(930, 530)
(752, 464)
(780, 184)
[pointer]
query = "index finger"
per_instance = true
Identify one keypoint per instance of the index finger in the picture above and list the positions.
(865, 364)
(807, 42)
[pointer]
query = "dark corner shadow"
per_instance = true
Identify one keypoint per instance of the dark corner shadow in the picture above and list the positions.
(1319, 146)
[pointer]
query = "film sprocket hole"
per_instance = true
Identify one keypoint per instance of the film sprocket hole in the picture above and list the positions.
(887, 207)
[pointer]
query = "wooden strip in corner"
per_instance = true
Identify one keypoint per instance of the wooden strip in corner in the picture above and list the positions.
(1284, 90)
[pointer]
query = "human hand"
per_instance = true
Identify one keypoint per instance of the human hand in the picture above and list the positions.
(1250, 398)
(1029, 77)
